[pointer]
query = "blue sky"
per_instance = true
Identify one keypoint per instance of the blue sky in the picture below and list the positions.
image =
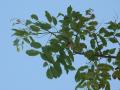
(21, 72)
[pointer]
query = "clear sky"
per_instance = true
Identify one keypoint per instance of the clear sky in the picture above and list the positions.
(21, 72)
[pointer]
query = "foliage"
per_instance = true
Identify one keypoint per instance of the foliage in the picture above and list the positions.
(74, 33)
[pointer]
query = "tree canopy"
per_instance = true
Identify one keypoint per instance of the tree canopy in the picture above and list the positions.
(70, 34)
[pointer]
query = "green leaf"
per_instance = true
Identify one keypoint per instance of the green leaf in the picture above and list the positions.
(92, 42)
(54, 20)
(117, 34)
(107, 86)
(60, 14)
(49, 73)
(35, 45)
(89, 54)
(94, 23)
(35, 28)
(118, 56)
(71, 67)
(113, 40)
(48, 16)
(34, 16)
(16, 42)
(82, 68)
(45, 64)
(28, 22)
(104, 67)
(77, 76)
(112, 25)
(26, 40)
(102, 30)
(112, 51)
(69, 10)
(20, 32)
(58, 68)
(103, 40)
(45, 26)
(32, 52)
(71, 55)
(81, 84)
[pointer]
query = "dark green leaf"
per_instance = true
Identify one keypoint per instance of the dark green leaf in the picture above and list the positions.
(81, 84)
(35, 28)
(105, 67)
(60, 14)
(45, 64)
(113, 40)
(112, 51)
(45, 26)
(28, 22)
(69, 10)
(92, 42)
(16, 42)
(103, 40)
(34, 16)
(48, 16)
(32, 52)
(54, 20)
(35, 45)
(107, 86)
(112, 25)
(102, 30)
(82, 68)
(77, 76)
(26, 40)
(94, 23)
(70, 67)
(117, 34)
(49, 73)
(20, 32)
(118, 56)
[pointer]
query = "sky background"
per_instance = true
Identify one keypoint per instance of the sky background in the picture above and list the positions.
(21, 72)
